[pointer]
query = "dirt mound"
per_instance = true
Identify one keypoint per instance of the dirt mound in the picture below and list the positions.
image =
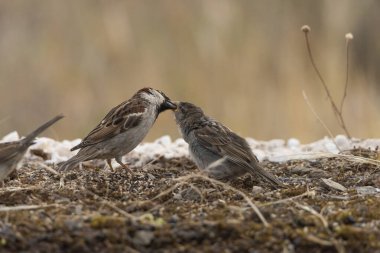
(167, 205)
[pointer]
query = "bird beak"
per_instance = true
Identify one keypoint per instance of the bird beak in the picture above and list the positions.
(176, 104)
(170, 105)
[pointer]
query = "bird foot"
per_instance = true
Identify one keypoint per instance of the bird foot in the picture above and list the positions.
(124, 166)
(127, 169)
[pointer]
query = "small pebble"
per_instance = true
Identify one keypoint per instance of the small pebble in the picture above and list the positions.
(143, 237)
(257, 190)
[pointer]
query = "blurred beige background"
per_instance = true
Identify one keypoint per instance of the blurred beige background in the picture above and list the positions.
(244, 62)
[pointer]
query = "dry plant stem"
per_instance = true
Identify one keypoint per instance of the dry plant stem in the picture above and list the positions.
(197, 190)
(47, 168)
(319, 241)
(313, 212)
(317, 70)
(359, 159)
(110, 205)
(167, 191)
(18, 189)
(306, 156)
(305, 194)
(338, 245)
(351, 158)
(347, 69)
(320, 120)
(336, 110)
(227, 187)
(152, 161)
(24, 207)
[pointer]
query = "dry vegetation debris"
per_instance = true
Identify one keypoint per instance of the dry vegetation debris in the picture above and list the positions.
(167, 205)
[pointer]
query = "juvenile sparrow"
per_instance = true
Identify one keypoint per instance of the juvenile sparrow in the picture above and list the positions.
(122, 129)
(11, 153)
(215, 148)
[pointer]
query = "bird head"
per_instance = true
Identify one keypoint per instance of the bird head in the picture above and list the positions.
(187, 114)
(158, 98)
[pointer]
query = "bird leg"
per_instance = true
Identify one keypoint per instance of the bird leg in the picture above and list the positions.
(118, 160)
(110, 164)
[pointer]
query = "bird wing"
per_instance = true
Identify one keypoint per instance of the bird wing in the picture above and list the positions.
(10, 150)
(223, 142)
(125, 116)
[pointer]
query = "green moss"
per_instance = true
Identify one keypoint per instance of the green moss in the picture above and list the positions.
(101, 221)
(358, 236)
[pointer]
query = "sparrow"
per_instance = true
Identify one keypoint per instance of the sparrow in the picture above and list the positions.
(122, 129)
(11, 153)
(216, 149)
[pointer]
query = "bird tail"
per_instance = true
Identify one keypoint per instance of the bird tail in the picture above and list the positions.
(257, 170)
(69, 164)
(28, 140)
(75, 160)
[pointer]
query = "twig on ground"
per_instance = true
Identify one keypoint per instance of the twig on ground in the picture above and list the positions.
(305, 194)
(313, 212)
(18, 189)
(316, 155)
(317, 240)
(227, 187)
(197, 190)
(152, 161)
(47, 168)
(359, 159)
(337, 244)
(167, 191)
(183, 181)
(25, 207)
(110, 205)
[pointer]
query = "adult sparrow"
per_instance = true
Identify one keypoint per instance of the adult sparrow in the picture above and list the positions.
(122, 129)
(215, 148)
(11, 153)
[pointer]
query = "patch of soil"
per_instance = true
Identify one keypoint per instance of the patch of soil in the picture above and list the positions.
(167, 206)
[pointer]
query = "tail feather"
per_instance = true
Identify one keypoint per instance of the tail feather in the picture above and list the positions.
(75, 160)
(256, 169)
(28, 140)
(69, 164)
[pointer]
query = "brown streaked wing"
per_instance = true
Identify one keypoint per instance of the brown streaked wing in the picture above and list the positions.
(221, 141)
(9, 150)
(118, 120)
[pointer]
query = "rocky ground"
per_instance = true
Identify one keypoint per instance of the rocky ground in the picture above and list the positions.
(332, 204)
